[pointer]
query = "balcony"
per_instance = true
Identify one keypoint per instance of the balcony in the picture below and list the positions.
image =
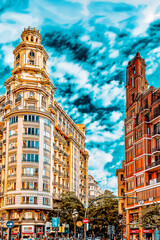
(12, 148)
(56, 195)
(7, 104)
(144, 109)
(155, 149)
(56, 171)
(153, 164)
(32, 109)
(12, 176)
(52, 108)
(30, 175)
(56, 148)
(153, 181)
(12, 162)
(156, 132)
(155, 115)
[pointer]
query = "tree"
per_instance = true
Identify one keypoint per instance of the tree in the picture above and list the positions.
(104, 212)
(150, 216)
(69, 202)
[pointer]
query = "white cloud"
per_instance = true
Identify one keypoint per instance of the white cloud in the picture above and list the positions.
(85, 38)
(97, 133)
(74, 97)
(95, 44)
(109, 93)
(63, 66)
(113, 68)
(110, 184)
(95, 126)
(98, 64)
(104, 73)
(111, 36)
(102, 50)
(125, 63)
(8, 54)
(114, 53)
(97, 161)
(115, 116)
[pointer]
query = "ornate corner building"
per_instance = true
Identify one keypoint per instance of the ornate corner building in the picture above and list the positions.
(141, 169)
(42, 150)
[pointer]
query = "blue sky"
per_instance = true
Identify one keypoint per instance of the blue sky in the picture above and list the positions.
(89, 44)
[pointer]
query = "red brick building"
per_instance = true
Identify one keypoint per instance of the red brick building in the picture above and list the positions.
(142, 147)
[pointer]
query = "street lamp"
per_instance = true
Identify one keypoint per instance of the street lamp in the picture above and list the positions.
(75, 216)
(122, 224)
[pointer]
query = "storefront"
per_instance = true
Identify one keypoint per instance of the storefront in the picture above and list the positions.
(147, 234)
(134, 234)
(27, 231)
(15, 232)
(40, 231)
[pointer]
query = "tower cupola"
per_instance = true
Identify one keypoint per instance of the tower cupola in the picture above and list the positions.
(30, 54)
(31, 35)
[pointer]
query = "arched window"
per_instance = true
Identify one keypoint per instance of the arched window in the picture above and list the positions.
(28, 215)
(31, 94)
(14, 215)
(31, 38)
(44, 61)
(18, 57)
(18, 97)
(31, 54)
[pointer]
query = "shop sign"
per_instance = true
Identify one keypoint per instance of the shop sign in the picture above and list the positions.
(135, 231)
(134, 225)
(14, 231)
(147, 231)
(27, 229)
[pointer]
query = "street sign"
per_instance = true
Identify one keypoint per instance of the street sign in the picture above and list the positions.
(85, 220)
(79, 224)
(55, 222)
(9, 224)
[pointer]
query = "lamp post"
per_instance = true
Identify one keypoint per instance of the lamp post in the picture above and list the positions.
(75, 216)
(122, 223)
(2, 225)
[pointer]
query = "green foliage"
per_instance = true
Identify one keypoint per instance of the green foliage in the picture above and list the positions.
(69, 202)
(104, 212)
(150, 216)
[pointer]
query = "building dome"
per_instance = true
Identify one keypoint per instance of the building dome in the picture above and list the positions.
(31, 35)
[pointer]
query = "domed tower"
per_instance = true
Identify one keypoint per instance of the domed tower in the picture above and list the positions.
(27, 150)
(30, 54)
